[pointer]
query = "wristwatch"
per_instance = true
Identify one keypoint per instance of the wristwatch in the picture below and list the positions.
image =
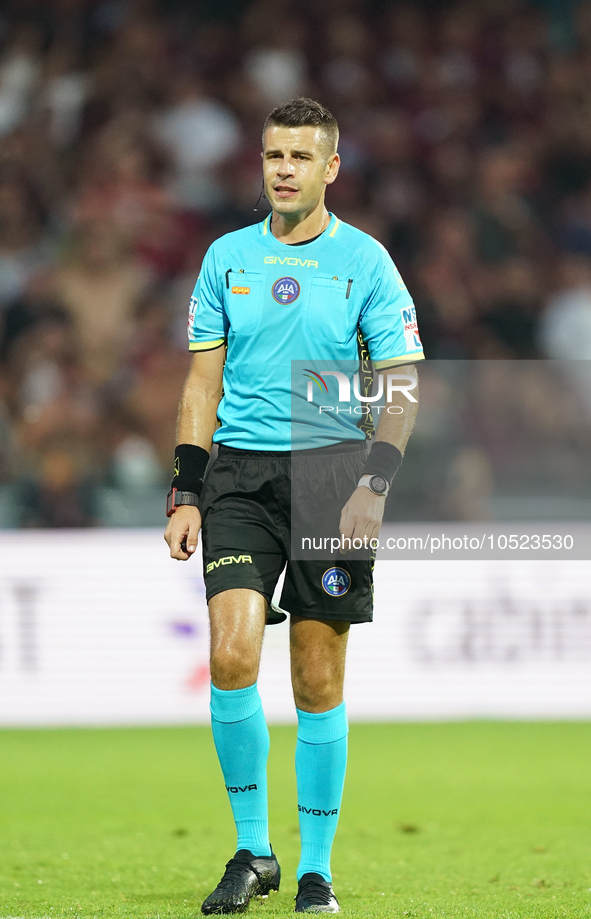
(175, 498)
(376, 483)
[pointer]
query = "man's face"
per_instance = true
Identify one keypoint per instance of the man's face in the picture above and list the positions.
(297, 167)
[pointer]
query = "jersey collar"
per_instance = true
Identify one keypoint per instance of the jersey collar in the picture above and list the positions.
(332, 228)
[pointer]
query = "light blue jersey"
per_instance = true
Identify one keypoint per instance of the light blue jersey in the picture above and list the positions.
(273, 303)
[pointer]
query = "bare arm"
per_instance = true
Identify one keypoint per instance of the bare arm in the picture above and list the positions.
(196, 424)
(395, 427)
(363, 512)
(197, 417)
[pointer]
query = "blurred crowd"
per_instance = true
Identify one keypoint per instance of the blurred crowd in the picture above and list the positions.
(130, 139)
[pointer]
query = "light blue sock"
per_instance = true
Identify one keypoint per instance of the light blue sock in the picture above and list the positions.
(241, 739)
(321, 761)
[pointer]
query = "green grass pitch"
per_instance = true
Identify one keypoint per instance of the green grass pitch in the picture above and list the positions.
(486, 819)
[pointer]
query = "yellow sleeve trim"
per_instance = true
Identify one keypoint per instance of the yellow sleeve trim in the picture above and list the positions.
(399, 361)
(206, 345)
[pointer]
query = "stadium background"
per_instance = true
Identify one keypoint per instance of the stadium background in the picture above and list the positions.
(129, 140)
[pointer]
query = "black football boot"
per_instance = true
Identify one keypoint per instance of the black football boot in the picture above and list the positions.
(315, 895)
(246, 876)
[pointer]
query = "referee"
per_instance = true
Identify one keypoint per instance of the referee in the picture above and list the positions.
(300, 286)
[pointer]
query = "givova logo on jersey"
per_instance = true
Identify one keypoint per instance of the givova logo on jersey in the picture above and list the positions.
(411, 329)
(285, 290)
(336, 582)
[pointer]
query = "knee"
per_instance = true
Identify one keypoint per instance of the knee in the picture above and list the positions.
(316, 688)
(232, 668)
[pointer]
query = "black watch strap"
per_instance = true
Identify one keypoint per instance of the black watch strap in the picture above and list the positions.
(175, 498)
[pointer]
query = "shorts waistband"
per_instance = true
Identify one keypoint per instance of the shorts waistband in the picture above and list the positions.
(344, 447)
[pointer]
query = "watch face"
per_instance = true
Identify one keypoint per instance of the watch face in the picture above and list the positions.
(378, 484)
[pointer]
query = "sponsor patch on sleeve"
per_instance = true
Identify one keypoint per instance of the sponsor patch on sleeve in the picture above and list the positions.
(411, 329)
(192, 309)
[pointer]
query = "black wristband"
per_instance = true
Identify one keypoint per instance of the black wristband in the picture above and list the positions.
(384, 459)
(190, 463)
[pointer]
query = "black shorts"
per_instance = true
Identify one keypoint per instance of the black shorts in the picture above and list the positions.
(246, 506)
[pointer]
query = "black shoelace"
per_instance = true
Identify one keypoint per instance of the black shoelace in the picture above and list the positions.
(234, 871)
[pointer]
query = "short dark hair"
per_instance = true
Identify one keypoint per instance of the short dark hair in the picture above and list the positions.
(303, 113)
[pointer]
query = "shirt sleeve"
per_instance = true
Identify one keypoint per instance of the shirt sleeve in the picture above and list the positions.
(208, 323)
(388, 319)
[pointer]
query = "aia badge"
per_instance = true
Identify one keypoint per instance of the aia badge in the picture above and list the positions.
(336, 582)
(285, 290)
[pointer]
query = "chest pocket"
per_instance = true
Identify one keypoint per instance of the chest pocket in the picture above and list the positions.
(243, 297)
(327, 317)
